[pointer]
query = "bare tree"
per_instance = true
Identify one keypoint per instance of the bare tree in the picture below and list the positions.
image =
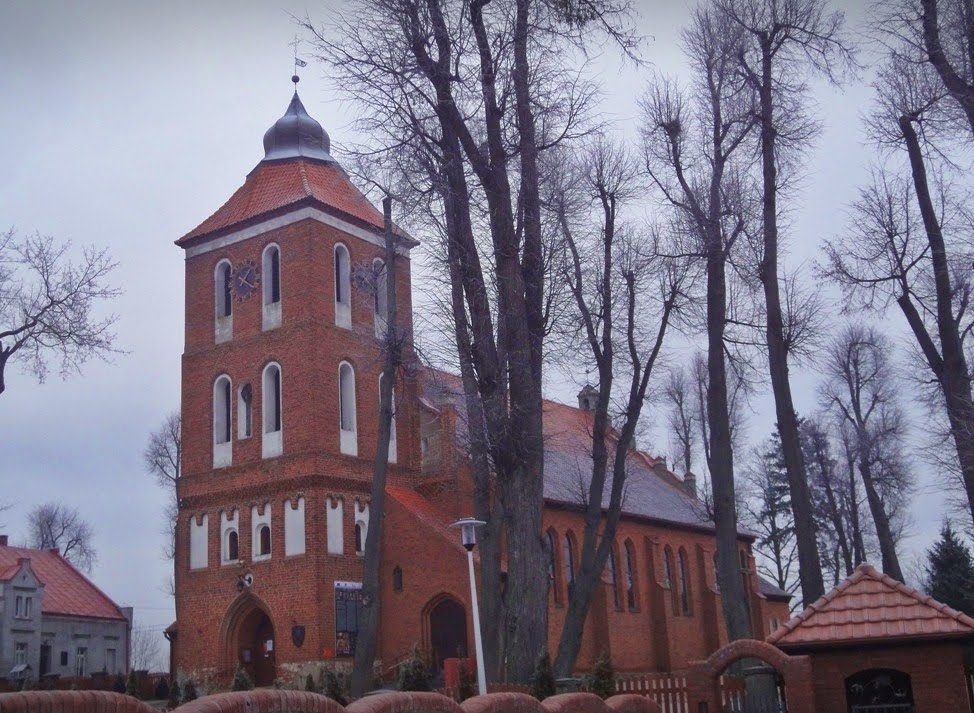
(162, 458)
(693, 149)
(782, 43)
(144, 649)
(625, 296)
(682, 417)
(56, 526)
(860, 391)
(48, 305)
(465, 92)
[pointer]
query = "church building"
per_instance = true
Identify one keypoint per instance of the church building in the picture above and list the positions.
(280, 396)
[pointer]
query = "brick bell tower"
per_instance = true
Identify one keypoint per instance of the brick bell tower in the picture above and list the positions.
(280, 396)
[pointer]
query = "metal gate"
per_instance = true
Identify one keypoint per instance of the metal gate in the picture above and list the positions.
(879, 690)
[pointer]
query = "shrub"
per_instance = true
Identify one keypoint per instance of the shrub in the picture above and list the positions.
(332, 687)
(132, 685)
(172, 700)
(414, 674)
(309, 684)
(543, 678)
(602, 682)
(119, 685)
(467, 685)
(241, 681)
(162, 689)
(189, 691)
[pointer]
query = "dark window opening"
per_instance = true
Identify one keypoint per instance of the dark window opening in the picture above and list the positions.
(227, 306)
(397, 579)
(264, 540)
(276, 396)
(348, 605)
(569, 564)
(359, 545)
(630, 577)
(247, 397)
(684, 584)
(275, 276)
(225, 387)
(233, 546)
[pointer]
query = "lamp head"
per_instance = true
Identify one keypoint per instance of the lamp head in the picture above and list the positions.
(468, 531)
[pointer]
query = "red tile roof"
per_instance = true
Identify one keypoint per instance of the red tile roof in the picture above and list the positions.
(871, 606)
(67, 592)
(426, 512)
(273, 187)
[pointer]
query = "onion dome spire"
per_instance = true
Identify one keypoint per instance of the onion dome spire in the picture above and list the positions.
(297, 135)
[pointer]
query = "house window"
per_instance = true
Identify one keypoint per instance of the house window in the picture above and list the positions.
(81, 661)
(28, 605)
(343, 287)
(613, 575)
(348, 605)
(263, 541)
(64, 658)
(222, 453)
(273, 444)
(630, 553)
(346, 409)
(111, 661)
(380, 302)
(553, 566)
(397, 579)
(271, 269)
(359, 540)
(245, 411)
(20, 654)
(19, 608)
(568, 557)
(684, 583)
(224, 301)
(232, 546)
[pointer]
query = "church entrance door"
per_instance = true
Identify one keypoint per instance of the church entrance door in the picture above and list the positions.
(256, 647)
(448, 631)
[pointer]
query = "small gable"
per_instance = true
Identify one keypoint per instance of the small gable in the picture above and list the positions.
(871, 606)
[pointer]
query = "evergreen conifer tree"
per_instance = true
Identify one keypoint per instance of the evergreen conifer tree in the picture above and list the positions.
(241, 681)
(174, 695)
(950, 572)
(543, 678)
(603, 679)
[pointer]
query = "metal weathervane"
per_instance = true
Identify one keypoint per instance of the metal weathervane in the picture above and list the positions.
(298, 62)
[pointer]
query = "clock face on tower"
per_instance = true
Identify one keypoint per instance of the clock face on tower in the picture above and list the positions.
(245, 280)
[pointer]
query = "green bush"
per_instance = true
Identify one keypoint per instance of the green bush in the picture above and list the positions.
(162, 689)
(602, 682)
(132, 685)
(189, 691)
(174, 695)
(309, 684)
(331, 686)
(414, 674)
(241, 681)
(543, 678)
(119, 685)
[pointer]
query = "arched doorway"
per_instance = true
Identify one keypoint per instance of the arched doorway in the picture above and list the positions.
(448, 630)
(249, 639)
(883, 689)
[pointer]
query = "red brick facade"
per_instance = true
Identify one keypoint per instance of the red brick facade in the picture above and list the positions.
(228, 611)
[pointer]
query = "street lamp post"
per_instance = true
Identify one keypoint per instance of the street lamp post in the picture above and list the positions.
(468, 535)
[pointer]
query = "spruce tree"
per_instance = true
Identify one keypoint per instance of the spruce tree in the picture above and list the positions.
(602, 681)
(950, 572)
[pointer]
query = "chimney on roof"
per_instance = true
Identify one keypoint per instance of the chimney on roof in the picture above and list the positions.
(690, 484)
(587, 398)
(3, 540)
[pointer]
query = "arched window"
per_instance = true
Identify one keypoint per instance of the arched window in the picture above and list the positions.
(552, 540)
(264, 541)
(684, 583)
(568, 561)
(222, 447)
(271, 279)
(273, 441)
(346, 409)
(224, 301)
(393, 445)
(668, 578)
(245, 411)
(343, 287)
(380, 303)
(232, 546)
(359, 543)
(716, 578)
(612, 573)
(630, 553)
(397, 579)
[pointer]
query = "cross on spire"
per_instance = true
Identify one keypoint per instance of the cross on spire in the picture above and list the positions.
(298, 62)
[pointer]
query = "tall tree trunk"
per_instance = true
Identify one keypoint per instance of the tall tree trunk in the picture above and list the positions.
(884, 533)
(809, 566)
(366, 643)
(950, 365)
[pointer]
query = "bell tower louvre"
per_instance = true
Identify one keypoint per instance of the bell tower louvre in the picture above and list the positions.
(280, 397)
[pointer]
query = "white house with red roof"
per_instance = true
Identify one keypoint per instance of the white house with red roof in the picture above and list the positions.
(55, 621)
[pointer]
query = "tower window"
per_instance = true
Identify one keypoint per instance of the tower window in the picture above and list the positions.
(233, 546)
(245, 415)
(271, 268)
(343, 287)
(272, 408)
(380, 303)
(263, 541)
(346, 408)
(222, 454)
(359, 543)
(224, 301)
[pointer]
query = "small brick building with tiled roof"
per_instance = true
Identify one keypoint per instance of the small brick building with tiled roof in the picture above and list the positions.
(279, 411)
(54, 620)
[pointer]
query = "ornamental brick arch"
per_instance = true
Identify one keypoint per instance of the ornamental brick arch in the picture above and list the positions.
(703, 677)
(246, 627)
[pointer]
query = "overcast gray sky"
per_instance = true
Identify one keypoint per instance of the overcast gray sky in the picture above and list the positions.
(124, 125)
